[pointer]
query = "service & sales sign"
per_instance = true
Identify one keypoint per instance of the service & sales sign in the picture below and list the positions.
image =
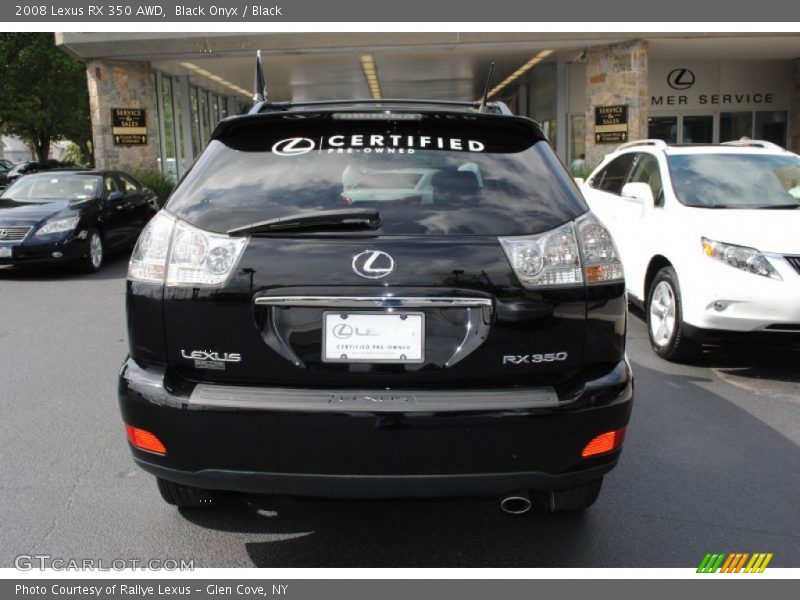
(611, 124)
(129, 126)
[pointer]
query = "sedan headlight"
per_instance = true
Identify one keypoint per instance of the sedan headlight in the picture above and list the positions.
(740, 257)
(59, 225)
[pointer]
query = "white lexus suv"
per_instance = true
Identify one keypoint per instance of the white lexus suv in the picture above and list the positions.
(709, 237)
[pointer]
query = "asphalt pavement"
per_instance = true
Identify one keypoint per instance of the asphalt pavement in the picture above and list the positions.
(711, 464)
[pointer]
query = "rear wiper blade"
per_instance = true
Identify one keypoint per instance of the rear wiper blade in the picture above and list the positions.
(324, 219)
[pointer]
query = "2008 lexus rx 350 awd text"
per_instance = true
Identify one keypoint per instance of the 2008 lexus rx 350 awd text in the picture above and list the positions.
(464, 340)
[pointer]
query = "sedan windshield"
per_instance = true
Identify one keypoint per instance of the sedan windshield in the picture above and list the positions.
(53, 187)
(736, 180)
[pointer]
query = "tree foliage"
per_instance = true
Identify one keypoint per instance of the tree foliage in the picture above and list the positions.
(43, 93)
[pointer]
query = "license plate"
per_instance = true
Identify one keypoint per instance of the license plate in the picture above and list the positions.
(373, 337)
(5, 252)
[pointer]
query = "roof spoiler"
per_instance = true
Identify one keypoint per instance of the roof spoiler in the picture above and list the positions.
(491, 107)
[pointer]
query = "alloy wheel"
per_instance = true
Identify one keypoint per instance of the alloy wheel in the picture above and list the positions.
(662, 314)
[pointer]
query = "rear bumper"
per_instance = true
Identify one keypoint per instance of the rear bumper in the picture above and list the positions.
(373, 486)
(414, 443)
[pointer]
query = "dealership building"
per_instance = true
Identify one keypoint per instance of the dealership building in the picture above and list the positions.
(156, 97)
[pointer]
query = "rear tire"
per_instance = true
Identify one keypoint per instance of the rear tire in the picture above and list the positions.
(664, 312)
(184, 496)
(577, 498)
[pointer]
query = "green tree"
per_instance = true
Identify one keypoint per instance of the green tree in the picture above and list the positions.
(43, 94)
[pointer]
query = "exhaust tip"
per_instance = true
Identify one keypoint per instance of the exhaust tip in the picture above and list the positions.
(517, 503)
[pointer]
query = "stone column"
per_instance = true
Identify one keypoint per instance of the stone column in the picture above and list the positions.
(121, 84)
(794, 109)
(616, 74)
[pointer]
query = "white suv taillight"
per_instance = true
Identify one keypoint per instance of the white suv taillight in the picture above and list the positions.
(576, 252)
(175, 253)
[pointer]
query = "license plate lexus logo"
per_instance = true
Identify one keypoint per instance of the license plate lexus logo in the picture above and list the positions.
(373, 264)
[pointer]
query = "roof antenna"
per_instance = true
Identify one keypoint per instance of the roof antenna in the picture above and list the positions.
(482, 107)
(260, 85)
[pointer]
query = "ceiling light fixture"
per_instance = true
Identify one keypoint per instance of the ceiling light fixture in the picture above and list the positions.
(521, 71)
(216, 78)
(371, 75)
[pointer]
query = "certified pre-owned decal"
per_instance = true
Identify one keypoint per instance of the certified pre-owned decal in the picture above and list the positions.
(204, 359)
(373, 143)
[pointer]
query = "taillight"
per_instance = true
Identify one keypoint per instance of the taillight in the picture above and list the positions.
(173, 252)
(414, 200)
(578, 252)
(603, 443)
(345, 200)
(144, 440)
(546, 259)
(601, 262)
(149, 258)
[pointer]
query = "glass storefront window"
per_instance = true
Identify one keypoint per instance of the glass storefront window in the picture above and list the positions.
(169, 164)
(698, 129)
(663, 128)
(193, 105)
(214, 111)
(154, 119)
(735, 125)
(549, 128)
(176, 109)
(577, 143)
(771, 126)
(204, 120)
(182, 161)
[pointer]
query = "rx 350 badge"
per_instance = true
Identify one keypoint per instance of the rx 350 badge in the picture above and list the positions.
(534, 359)
(206, 359)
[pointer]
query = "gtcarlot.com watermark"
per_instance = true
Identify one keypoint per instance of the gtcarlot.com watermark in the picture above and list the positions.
(46, 562)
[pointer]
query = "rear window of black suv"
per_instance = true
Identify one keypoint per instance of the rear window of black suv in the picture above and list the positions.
(426, 174)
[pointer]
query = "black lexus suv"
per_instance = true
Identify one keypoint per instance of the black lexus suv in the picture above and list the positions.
(377, 299)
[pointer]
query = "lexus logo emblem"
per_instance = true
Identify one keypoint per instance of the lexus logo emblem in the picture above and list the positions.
(3, 234)
(373, 264)
(342, 331)
(680, 79)
(293, 146)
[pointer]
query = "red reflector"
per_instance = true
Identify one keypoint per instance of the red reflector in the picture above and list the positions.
(605, 442)
(144, 440)
(345, 200)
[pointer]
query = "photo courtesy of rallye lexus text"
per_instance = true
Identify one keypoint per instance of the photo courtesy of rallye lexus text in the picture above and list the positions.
(377, 299)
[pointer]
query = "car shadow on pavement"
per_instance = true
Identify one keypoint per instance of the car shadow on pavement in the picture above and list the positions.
(755, 362)
(115, 267)
(746, 359)
(312, 532)
(698, 474)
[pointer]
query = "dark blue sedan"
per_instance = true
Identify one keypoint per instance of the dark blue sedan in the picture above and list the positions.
(72, 217)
